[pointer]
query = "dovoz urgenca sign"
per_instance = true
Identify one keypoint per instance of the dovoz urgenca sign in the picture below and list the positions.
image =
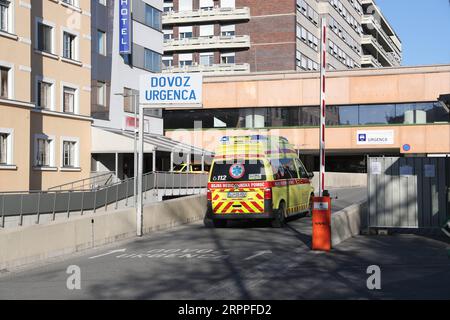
(124, 26)
(174, 90)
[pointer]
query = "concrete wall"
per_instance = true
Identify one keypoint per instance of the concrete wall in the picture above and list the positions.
(348, 223)
(36, 243)
(341, 180)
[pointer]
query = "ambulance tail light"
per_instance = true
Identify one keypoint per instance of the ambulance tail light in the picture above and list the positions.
(208, 195)
(267, 193)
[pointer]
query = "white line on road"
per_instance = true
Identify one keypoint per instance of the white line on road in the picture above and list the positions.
(257, 254)
(108, 253)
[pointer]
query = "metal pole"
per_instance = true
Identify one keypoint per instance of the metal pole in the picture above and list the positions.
(171, 161)
(323, 65)
(203, 162)
(139, 208)
(38, 208)
(136, 106)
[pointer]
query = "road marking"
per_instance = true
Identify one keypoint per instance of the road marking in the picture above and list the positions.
(258, 253)
(108, 253)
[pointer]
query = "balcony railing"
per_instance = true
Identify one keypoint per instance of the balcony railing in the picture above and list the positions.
(205, 15)
(389, 57)
(222, 68)
(212, 42)
(369, 19)
(369, 59)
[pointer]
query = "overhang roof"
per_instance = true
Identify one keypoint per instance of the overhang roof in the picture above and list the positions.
(108, 140)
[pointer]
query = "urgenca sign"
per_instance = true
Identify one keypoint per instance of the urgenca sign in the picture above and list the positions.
(168, 90)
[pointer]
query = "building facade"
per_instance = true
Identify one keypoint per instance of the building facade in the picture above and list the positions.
(385, 112)
(45, 67)
(115, 75)
(241, 36)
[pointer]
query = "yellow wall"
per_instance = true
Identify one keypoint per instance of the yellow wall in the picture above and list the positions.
(17, 119)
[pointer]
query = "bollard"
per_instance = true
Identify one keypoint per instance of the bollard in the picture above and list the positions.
(321, 219)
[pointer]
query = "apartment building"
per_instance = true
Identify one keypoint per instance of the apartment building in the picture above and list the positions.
(380, 44)
(45, 65)
(241, 36)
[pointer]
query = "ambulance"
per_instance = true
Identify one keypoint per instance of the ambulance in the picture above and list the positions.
(257, 177)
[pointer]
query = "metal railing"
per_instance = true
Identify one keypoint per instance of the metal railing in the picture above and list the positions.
(207, 42)
(213, 68)
(96, 180)
(202, 15)
(51, 202)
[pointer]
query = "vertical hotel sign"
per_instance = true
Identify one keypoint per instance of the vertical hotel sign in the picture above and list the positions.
(124, 26)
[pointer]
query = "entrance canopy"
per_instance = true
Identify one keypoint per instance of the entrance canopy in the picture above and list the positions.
(107, 140)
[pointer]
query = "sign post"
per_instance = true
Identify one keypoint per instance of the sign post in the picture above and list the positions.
(323, 66)
(181, 90)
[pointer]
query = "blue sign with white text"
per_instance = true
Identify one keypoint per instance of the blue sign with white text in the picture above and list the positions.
(124, 27)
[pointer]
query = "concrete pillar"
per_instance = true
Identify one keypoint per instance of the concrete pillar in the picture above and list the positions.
(188, 161)
(117, 165)
(154, 160)
(203, 162)
(171, 161)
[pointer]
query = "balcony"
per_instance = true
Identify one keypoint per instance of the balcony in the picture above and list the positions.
(387, 59)
(390, 41)
(214, 69)
(207, 43)
(206, 15)
(368, 61)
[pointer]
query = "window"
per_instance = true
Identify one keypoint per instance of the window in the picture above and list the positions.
(45, 38)
(69, 46)
(152, 60)
(69, 100)
(206, 4)
(207, 58)
(4, 15)
(4, 82)
(71, 2)
(69, 154)
(168, 6)
(44, 152)
(44, 95)
(228, 58)
(185, 32)
(168, 34)
(152, 17)
(101, 38)
(129, 96)
(185, 59)
(5, 148)
(101, 93)
(227, 3)
(227, 30)
(207, 30)
(102, 2)
(167, 61)
(185, 5)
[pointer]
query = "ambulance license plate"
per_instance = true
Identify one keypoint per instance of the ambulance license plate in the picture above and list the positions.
(234, 195)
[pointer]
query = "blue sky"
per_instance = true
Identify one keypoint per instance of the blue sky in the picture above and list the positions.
(423, 27)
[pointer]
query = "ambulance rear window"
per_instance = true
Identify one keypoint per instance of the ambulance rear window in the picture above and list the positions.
(248, 170)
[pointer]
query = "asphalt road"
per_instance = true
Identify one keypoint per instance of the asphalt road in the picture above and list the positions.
(244, 262)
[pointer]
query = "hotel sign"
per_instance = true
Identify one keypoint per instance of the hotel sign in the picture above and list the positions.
(124, 26)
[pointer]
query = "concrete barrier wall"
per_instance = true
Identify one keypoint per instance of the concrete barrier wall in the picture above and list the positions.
(36, 243)
(341, 180)
(348, 223)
